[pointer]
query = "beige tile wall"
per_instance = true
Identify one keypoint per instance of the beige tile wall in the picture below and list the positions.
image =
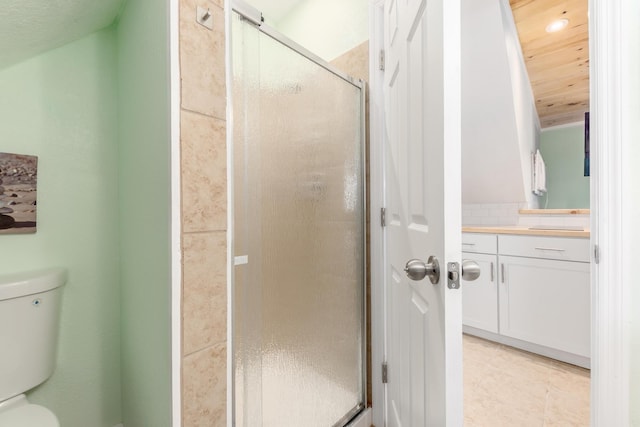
(355, 62)
(204, 216)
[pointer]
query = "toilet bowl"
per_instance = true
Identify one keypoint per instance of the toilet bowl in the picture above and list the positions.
(18, 412)
(29, 315)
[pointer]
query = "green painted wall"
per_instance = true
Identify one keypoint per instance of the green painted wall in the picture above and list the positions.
(144, 210)
(61, 106)
(563, 153)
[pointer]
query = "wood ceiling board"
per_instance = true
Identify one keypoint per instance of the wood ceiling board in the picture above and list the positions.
(557, 98)
(554, 96)
(562, 119)
(575, 43)
(553, 105)
(565, 95)
(534, 12)
(560, 69)
(557, 63)
(557, 107)
(561, 108)
(572, 42)
(571, 88)
(556, 101)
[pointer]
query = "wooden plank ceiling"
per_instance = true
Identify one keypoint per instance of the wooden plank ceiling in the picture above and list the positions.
(557, 63)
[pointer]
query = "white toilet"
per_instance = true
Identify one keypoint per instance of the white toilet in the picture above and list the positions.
(29, 314)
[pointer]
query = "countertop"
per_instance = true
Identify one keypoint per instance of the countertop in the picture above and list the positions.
(555, 211)
(517, 229)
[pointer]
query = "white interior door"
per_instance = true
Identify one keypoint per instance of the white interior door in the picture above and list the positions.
(422, 197)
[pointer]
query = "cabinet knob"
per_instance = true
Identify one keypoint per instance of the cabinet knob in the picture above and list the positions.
(470, 270)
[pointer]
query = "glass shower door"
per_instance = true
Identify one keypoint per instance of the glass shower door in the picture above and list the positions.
(299, 242)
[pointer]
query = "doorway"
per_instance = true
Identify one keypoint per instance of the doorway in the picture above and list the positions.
(531, 310)
(610, 362)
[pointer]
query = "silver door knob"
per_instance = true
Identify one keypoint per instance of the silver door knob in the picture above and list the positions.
(470, 270)
(418, 270)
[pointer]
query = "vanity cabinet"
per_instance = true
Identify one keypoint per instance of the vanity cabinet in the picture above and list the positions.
(480, 297)
(533, 293)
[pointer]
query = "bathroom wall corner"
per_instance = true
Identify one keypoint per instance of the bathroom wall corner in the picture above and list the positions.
(144, 177)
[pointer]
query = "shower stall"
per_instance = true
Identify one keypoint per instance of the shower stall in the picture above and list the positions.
(298, 233)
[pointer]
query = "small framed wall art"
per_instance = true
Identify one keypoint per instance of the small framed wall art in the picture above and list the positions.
(18, 193)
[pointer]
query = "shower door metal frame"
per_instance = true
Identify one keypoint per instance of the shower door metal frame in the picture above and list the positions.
(254, 17)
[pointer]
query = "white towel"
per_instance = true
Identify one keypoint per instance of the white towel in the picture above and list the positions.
(539, 175)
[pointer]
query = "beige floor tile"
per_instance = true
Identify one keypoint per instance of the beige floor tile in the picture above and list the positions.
(563, 409)
(504, 399)
(504, 386)
(479, 349)
(571, 380)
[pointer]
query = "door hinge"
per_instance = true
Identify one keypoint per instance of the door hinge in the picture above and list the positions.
(384, 373)
(383, 217)
(596, 254)
(381, 65)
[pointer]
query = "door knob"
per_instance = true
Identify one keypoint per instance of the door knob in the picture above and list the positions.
(418, 270)
(470, 270)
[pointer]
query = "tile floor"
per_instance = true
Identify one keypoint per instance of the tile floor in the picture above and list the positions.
(504, 386)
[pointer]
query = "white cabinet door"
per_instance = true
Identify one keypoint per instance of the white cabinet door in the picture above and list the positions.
(480, 297)
(546, 302)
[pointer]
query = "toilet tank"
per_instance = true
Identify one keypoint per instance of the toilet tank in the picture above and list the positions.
(29, 317)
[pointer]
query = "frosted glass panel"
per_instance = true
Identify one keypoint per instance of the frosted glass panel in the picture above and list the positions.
(299, 219)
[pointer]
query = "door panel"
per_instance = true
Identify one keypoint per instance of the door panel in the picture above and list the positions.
(419, 340)
(416, 173)
(423, 321)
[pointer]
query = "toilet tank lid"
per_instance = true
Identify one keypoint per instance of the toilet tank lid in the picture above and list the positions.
(16, 285)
